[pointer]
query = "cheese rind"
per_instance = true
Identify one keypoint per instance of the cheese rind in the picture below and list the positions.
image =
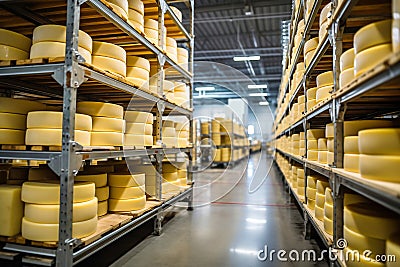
(12, 53)
(328, 196)
(127, 192)
(351, 145)
(320, 200)
(312, 155)
(310, 45)
(380, 31)
(14, 39)
(371, 57)
(319, 213)
(110, 64)
(140, 62)
(55, 50)
(323, 157)
(347, 60)
(351, 128)
(102, 208)
(126, 180)
(328, 210)
(323, 93)
(99, 180)
(100, 109)
(102, 193)
(384, 141)
(314, 134)
(126, 204)
(53, 137)
(351, 162)
(11, 209)
(12, 121)
(311, 193)
(321, 186)
(104, 124)
(137, 72)
(138, 116)
(380, 167)
(136, 5)
(362, 242)
(139, 128)
(328, 225)
(138, 140)
(53, 120)
(346, 77)
(19, 106)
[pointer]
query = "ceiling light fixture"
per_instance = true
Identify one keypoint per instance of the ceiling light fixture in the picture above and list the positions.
(259, 94)
(257, 86)
(263, 103)
(246, 58)
(205, 88)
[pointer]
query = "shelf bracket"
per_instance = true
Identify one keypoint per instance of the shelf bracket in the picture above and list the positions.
(73, 243)
(77, 160)
(81, 2)
(58, 74)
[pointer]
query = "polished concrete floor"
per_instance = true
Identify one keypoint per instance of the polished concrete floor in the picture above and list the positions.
(237, 213)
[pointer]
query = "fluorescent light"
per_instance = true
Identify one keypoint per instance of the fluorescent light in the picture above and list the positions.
(263, 103)
(206, 88)
(246, 58)
(257, 86)
(258, 94)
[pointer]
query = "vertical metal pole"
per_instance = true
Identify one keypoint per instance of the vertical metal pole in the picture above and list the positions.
(338, 207)
(161, 57)
(191, 54)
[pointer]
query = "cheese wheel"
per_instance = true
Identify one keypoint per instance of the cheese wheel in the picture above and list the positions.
(109, 50)
(328, 196)
(362, 242)
(393, 248)
(396, 34)
(151, 24)
(177, 13)
(182, 174)
(102, 193)
(11, 208)
(351, 128)
(140, 62)
(99, 180)
(138, 140)
(319, 213)
(361, 261)
(138, 116)
(127, 192)
(346, 77)
(384, 141)
(381, 168)
(320, 201)
(136, 5)
(126, 204)
(137, 25)
(182, 53)
(53, 137)
(54, 50)
(46, 193)
(139, 128)
(328, 225)
(328, 210)
(121, 3)
(325, 13)
(170, 141)
(137, 72)
(312, 93)
(181, 95)
(311, 103)
(295, 137)
(171, 42)
(53, 120)
(170, 176)
(310, 45)
(300, 173)
(109, 64)
(351, 145)
(168, 123)
(14, 39)
(119, 11)
(314, 134)
(312, 144)
(354, 198)
(323, 30)
(49, 214)
(19, 106)
(311, 204)
(371, 57)
(322, 144)
(100, 109)
(329, 131)
(330, 157)
(300, 183)
(300, 189)
(168, 167)
(12, 121)
(321, 186)
(12, 53)
(359, 217)
(136, 16)
(312, 155)
(311, 193)
(126, 180)
(106, 139)
(347, 59)
(102, 208)
(380, 31)
(351, 162)
(324, 79)
(169, 132)
(308, 57)
(330, 143)
(151, 34)
(56, 33)
(104, 124)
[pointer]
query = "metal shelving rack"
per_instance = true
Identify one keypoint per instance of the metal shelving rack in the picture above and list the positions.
(375, 93)
(72, 80)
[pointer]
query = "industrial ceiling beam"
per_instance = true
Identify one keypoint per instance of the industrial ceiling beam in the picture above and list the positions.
(208, 57)
(223, 7)
(281, 15)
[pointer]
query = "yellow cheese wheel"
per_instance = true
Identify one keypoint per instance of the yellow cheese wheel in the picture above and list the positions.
(183, 53)
(319, 213)
(11, 209)
(321, 186)
(12, 121)
(56, 33)
(136, 5)
(169, 132)
(138, 140)
(354, 198)
(324, 79)
(100, 109)
(396, 34)
(360, 261)
(172, 42)
(384, 141)
(351, 162)
(104, 124)
(322, 144)
(151, 24)
(371, 57)
(121, 3)
(300, 183)
(99, 180)
(393, 248)
(126, 204)
(311, 193)
(53, 120)
(177, 13)
(379, 31)
(119, 11)
(170, 176)
(169, 167)
(140, 62)
(302, 144)
(325, 13)
(14, 39)
(312, 144)
(137, 72)
(314, 134)
(171, 53)
(136, 16)
(300, 173)
(49, 232)
(351, 145)
(380, 167)
(182, 174)
(329, 130)
(311, 204)
(109, 64)
(49, 192)
(181, 95)
(310, 45)
(328, 210)
(330, 143)
(151, 34)
(102, 208)
(138, 116)
(53, 137)
(39, 213)
(137, 25)
(347, 60)
(19, 106)
(106, 138)
(328, 196)
(320, 201)
(102, 193)
(351, 128)
(139, 128)
(168, 123)
(55, 49)
(328, 225)
(359, 217)
(295, 137)
(127, 192)
(109, 50)
(12, 53)
(346, 77)
(170, 141)
(330, 157)
(126, 180)
(362, 242)
(323, 30)
(308, 57)
(312, 155)
(311, 104)
(300, 189)
(312, 93)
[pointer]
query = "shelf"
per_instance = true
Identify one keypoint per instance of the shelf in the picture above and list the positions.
(293, 157)
(323, 169)
(319, 227)
(319, 53)
(320, 110)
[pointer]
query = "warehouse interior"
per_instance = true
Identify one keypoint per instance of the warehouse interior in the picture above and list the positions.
(200, 133)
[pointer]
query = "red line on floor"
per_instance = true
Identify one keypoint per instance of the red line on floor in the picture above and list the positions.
(251, 204)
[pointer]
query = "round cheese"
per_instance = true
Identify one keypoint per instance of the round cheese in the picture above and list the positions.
(312, 155)
(170, 141)
(136, 16)
(372, 35)
(138, 140)
(53, 120)
(354, 198)
(12, 53)
(126, 180)
(384, 141)
(102, 208)
(312, 144)
(328, 196)
(300, 173)
(393, 248)
(168, 86)
(151, 24)
(172, 43)
(39, 213)
(351, 128)
(99, 180)
(328, 225)
(109, 64)
(311, 193)
(14, 39)
(169, 167)
(119, 11)
(330, 143)
(311, 104)
(54, 50)
(137, 72)
(314, 134)
(139, 128)
(330, 157)
(12, 121)
(12, 137)
(102, 193)
(136, 5)
(177, 13)
(136, 25)
(320, 201)
(183, 53)
(138, 116)
(151, 34)
(49, 192)
(104, 124)
(321, 186)
(106, 139)
(324, 79)
(126, 204)
(328, 210)
(347, 60)
(369, 58)
(310, 45)
(323, 30)
(329, 130)
(312, 93)
(346, 77)
(127, 192)
(351, 162)
(319, 213)
(170, 176)
(53, 137)
(121, 3)
(322, 144)
(140, 62)
(311, 204)
(109, 50)
(49, 232)
(351, 145)
(100, 109)
(325, 13)
(381, 168)
(362, 242)
(396, 34)
(169, 132)
(19, 106)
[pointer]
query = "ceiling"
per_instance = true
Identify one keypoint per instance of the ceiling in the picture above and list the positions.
(223, 30)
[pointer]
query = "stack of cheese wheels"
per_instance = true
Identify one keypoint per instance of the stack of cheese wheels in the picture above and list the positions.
(380, 154)
(330, 144)
(311, 190)
(216, 138)
(120, 7)
(182, 129)
(13, 46)
(217, 155)
(297, 173)
(309, 50)
(301, 101)
(367, 226)
(182, 172)
(393, 248)
(169, 90)
(151, 30)
(322, 184)
(172, 49)
(205, 127)
(295, 144)
(108, 125)
(42, 207)
(138, 71)
(151, 176)
(136, 14)
(181, 94)
(312, 143)
(226, 154)
(127, 191)
(12, 210)
(13, 119)
(369, 52)
(300, 182)
(351, 160)
(311, 98)
(302, 144)
(216, 125)
(177, 13)
(171, 180)
(169, 136)
(325, 86)
(328, 211)
(183, 57)
(44, 128)
(48, 41)
(109, 57)
(139, 128)
(293, 113)
(292, 177)
(324, 21)
(346, 68)
(322, 150)
(102, 190)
